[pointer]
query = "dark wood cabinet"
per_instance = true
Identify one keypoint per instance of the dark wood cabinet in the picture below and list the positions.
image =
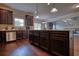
(31, 36)
(59, 42)
(44, 40)
(2, 36)
(25, 34)
(19, 35)
(55, 42)
(6, 16)
(34, 37)
(28, 20)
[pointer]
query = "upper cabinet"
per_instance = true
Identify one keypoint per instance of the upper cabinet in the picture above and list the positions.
(28, 20)
(6, 16)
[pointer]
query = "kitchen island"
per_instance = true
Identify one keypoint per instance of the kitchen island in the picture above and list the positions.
(57, 42)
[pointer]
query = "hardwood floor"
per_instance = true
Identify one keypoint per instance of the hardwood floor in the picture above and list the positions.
(23, 48)
(76, 45)
(20, 48)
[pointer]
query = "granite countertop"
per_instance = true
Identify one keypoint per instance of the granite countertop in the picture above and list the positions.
(11, 30)
(49, 30)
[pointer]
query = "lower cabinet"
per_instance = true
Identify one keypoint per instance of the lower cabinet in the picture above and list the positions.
(31, 37)
(7, 36)
(44, 40)
(59, 42)
(34, 37)
(19, 35)
(55, 42)
(58, 47)
(2, 36)
(22, 34)
(25, 34)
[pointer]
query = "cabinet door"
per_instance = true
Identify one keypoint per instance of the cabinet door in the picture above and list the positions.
(2, 37)
(28, 20)
(9, 17)
(6, 16)
(31, 36)
(36, 37)
(25, 34)
(44, 40)
(19, 35)
(2, 16)
(59, 42)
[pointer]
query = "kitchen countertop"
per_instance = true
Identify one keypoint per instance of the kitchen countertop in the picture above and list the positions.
(48, 30)
(11, 30)
(31, 30)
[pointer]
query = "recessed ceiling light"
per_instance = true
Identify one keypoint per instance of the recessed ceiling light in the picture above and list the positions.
(37, 17)
(54, 10)
(65, 20)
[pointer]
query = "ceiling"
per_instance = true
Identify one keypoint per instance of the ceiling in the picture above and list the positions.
(74, 22)
(44, 9)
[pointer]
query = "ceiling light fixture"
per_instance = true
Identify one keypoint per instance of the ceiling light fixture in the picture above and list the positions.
(65, 21)
(54, 9)
(48, 3)
(37, 17)
(36, 12)
(76, 6)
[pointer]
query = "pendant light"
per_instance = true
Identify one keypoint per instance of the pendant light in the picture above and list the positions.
(36, 12)
(76, 5)
(48, 3)
(54, 9)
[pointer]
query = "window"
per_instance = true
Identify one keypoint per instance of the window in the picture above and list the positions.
(18, 22)
(37, 26)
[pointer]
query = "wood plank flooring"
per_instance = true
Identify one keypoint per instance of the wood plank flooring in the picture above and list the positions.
(20, 48)
(76, 45)
(23, 48)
